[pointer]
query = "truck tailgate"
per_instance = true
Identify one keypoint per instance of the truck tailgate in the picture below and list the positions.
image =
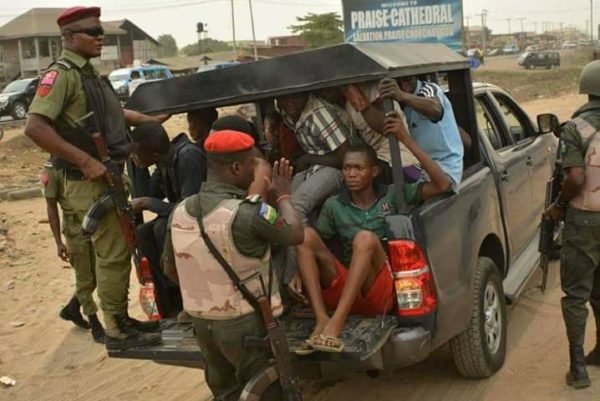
(362, 338)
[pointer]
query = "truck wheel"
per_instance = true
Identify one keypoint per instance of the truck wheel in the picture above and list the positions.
(263, 386)
(481, 349)
(19, 111)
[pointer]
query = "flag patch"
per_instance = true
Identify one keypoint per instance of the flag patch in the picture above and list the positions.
(46, 83)
(268, 213)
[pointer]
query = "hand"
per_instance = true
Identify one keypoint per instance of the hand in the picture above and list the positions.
(262, 168)
(62, 252)
(295, 289)
(394, 125)
(555, 213)
(281, 180)
(92, 169)
(140, 204)
(161, 118)
(388, 88)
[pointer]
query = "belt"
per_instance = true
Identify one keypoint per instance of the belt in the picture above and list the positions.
(73, 174)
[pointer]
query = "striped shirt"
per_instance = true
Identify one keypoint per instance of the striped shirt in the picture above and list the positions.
(321, 128)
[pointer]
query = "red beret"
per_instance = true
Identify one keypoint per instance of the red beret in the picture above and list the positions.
(228, 141)
(77, 13)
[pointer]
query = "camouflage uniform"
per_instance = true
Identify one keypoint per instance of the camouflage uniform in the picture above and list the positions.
(580, 254)
(242, 229)
(81, 251)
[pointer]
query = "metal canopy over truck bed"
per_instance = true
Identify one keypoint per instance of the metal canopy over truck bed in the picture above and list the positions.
(311, 70)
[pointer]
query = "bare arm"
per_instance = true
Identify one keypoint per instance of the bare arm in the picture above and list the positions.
(429, 107)
(54, 220)
(135, 118)
(440, 183)
(280, 188)
(39, 130)
(572, 185)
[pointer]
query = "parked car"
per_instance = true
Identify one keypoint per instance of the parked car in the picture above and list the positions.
(547, 59)
(569, 45)
(125, 80)
(494, 52)
(17, 96)
(457, 259)
(510, 49)
(217, 66)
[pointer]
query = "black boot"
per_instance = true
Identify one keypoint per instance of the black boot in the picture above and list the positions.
(97, 329)
(72, 313)
(577, 376)
(130, 337)
(593, 358)
(148, 326)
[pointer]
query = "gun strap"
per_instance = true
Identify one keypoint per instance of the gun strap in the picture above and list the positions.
(246, 293)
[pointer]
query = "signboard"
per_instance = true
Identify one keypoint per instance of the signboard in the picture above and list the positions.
(416, 21)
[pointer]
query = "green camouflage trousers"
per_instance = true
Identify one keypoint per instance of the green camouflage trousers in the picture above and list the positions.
(229, 364)
(83, 261)
(113, 260)
(580, 272)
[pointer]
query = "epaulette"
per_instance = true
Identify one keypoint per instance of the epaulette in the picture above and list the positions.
(48, 164)
(64, 64)
(253, 198)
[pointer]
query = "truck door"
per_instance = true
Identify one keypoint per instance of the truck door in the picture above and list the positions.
(510, 164)
(539, 151)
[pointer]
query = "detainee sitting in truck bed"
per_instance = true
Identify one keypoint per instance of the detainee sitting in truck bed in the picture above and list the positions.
(361, 282)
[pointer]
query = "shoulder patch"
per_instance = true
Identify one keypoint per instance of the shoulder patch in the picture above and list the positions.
(47, 82)
(268, 213)
(44, 178)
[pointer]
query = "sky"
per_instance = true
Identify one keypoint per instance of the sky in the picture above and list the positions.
(272, 17)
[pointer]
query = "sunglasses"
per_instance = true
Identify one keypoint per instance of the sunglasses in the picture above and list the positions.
(93, 32)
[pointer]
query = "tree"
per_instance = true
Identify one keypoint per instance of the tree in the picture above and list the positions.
(168, 46)
(319, 30)
(207, 45)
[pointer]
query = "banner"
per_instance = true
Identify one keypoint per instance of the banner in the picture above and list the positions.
(416, 21)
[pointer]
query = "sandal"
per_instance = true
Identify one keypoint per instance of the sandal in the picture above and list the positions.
(318, 343)
(305, 348)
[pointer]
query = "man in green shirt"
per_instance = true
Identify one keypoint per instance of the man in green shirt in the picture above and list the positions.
(361, 282)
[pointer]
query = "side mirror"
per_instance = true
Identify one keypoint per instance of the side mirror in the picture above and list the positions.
(548, 123)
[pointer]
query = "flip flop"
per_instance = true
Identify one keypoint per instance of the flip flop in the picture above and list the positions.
(327, 348)
(305, 348)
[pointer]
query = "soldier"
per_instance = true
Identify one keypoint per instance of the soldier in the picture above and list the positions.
(70, 103)
(579, 204)
(78, 251)
(242, 229)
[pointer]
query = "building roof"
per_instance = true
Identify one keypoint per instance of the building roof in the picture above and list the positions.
(42, 22)
(138, 32)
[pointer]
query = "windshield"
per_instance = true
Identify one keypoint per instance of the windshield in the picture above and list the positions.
(118, 77)
(17, 86)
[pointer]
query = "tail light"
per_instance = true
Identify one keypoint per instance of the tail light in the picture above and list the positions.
(413, 281)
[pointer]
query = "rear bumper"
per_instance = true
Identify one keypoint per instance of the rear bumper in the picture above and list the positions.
(407, 346)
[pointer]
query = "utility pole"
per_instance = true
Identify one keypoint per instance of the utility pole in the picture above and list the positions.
(253, 33)
(233, 29)
(521, 20)
(508, 19)
(591, 20)
(483, 16)
(535, 27)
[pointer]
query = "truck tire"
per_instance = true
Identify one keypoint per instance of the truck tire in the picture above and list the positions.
(19, 110)
(480, 350)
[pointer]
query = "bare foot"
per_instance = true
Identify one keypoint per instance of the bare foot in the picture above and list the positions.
(332, 328)
(319, 326)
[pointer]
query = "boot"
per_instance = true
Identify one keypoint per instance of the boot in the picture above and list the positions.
(72, 313)
(577, 376)
(593, 358)
(128, 336)
(148, 326)
(97, 329)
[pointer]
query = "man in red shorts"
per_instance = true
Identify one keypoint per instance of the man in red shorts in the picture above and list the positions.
(360, 282)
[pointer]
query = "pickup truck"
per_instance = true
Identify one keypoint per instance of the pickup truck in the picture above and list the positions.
(458, 260)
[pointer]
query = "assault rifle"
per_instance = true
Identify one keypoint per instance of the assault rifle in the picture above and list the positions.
(546, 246)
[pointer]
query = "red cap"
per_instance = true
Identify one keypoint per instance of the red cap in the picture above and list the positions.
(228, 141)
(77, 13)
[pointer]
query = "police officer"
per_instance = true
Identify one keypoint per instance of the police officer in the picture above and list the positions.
(70, 103)
(78, 251)
(242, 229)
(579, 204)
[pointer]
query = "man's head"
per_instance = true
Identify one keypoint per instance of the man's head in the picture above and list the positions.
(231, 157)
(293, 105)
(82, 31)
(408, 84)
(200, 122)
(360, 168)
(150, 144)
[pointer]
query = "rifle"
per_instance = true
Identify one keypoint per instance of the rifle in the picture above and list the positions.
(279, 347)
(546, 244)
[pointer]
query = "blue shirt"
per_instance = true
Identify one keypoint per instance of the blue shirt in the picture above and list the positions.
(439, 139)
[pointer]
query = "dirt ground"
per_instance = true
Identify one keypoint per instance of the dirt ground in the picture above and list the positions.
(52, 360)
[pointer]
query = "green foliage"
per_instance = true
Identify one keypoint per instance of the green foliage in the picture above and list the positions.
(319, 30)
(168, 46)
(207, 45)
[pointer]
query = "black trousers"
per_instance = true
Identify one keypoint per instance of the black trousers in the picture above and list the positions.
(151, 240)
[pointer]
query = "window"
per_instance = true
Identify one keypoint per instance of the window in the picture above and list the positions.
(518, 123)
(28, 48)
(44, 46)
(149, 74)
(486, 125)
